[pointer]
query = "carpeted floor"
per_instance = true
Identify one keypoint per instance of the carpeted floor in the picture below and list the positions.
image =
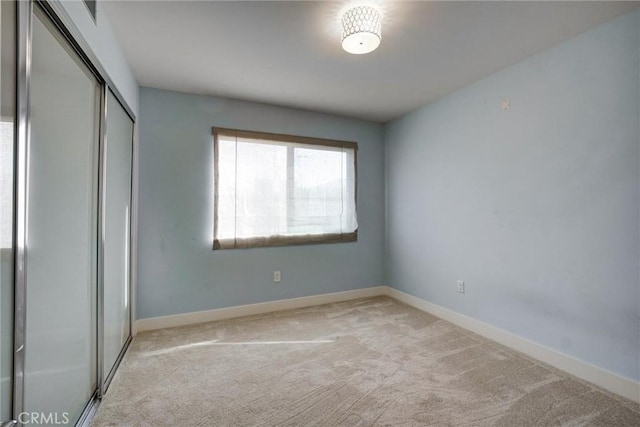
(358, 363)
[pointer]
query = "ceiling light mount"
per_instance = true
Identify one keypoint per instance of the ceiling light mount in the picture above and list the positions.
(361, 29)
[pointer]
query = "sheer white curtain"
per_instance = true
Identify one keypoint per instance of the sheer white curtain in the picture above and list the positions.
(273, 190)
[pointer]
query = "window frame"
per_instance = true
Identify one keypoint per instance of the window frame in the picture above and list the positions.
(279, 240)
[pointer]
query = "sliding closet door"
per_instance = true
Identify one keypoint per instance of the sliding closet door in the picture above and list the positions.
(61, 263)
(7, 170)
(117, 226)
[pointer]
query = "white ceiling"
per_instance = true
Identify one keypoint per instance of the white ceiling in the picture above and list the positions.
(288, 53)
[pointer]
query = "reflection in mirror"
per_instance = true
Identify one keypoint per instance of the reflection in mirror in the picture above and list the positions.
(7, 116)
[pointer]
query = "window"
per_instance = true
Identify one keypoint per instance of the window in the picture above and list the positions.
(276, 190)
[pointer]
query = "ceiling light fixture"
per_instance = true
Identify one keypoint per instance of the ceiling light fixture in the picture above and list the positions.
(361, 29)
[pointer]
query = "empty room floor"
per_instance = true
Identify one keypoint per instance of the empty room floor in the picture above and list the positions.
(364, 362)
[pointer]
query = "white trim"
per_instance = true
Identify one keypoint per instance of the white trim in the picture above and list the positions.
(259, 308)
(598, 376)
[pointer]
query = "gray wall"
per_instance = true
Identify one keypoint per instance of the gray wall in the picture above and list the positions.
(536, 207)
(178, 272)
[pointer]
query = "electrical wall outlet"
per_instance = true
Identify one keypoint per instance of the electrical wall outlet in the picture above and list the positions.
(276, 276)
(461, 286)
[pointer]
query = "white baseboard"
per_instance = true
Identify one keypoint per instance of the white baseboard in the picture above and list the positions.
(598, 376)
(250, 309)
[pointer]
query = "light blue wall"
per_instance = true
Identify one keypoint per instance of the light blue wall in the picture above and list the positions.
(536, 207)
(178, 270)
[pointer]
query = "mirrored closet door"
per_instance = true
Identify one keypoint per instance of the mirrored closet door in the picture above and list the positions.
(118, 151)
(66, 150)
(61, 269)
(7, 171)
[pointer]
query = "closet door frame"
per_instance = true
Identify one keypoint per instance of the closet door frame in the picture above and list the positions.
(56, 14)
(23, 60)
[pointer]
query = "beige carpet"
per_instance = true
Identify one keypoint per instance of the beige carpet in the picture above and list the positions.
(358, 363)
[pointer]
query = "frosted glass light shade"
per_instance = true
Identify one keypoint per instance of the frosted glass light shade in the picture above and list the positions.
(361, 30)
